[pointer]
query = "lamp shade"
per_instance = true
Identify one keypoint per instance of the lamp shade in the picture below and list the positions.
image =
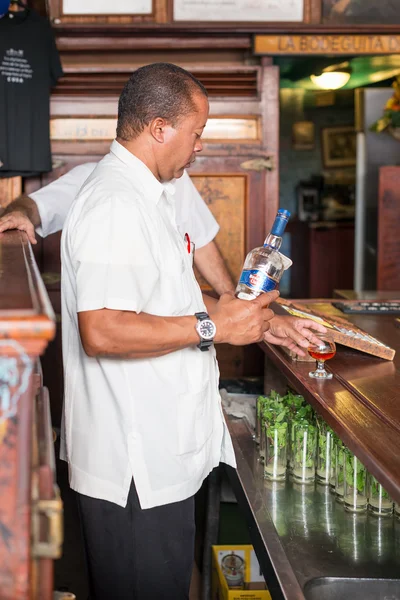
(331, 80)
(4, 6)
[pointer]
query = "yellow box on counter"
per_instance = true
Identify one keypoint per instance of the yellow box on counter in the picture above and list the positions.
(241, 567)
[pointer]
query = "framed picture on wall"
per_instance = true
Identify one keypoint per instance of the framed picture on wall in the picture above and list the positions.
(303, 135)
(255, 11)
(64, 12)
(361, 11)
(339, 147)
(105, 7)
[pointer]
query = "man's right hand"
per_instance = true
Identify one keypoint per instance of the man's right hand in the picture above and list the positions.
(241, 322)
(17, 219)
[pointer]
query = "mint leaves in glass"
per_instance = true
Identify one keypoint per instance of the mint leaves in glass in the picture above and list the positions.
(379, 501)
(355, 484)
(304, 447)
(276, 440)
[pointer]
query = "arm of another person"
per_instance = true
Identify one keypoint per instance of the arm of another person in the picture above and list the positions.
(22, 214)
(211, 265)
(46, 209)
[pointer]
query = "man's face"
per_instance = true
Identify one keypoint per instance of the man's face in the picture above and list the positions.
(182, 143)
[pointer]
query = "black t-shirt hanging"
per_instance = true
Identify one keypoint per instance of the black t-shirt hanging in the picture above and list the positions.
(29, 67)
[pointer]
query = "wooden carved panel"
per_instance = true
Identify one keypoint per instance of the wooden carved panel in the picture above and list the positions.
(10, 188)
(243, 129)
(226, 197)
(388, 268)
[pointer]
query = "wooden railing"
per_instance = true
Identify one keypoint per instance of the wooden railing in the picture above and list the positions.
(30, 510)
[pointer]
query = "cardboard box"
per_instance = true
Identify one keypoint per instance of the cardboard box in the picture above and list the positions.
(255, 588)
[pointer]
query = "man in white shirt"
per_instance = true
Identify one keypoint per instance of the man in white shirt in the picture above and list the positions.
(47, 209)
(143, 424)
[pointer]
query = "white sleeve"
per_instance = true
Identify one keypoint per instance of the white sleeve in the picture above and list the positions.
(114, 263)
(202, 225)
(54, 200)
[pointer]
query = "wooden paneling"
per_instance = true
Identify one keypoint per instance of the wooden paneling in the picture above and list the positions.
(10, 188)
(221, 129)
(388, 266)
(109, 78)
(226, 197)
(323, 258)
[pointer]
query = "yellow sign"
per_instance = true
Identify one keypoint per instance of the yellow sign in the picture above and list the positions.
(326, 44)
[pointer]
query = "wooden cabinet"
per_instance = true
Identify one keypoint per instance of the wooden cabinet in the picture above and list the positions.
(323, 258)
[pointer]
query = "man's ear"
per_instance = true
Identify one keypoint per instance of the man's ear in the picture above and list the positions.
(157, 129)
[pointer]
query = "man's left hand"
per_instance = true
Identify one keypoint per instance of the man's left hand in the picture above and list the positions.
(293, 332)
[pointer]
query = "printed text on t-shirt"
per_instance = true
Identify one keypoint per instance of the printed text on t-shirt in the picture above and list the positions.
(15, 67)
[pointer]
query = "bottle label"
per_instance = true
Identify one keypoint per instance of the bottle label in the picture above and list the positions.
(258, 281)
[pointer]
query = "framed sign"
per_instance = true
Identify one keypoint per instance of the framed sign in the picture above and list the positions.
(239, 10)
(113, 12)
(106, 7)
(339, 147)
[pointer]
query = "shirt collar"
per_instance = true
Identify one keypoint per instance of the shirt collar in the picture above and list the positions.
(141, 174)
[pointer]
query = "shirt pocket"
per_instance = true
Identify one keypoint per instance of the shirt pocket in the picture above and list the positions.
(175, 287)
(195, 423)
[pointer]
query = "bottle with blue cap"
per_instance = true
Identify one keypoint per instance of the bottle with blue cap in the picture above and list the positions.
(264, 267)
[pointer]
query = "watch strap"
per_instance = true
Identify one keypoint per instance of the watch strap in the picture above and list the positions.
(203, 345)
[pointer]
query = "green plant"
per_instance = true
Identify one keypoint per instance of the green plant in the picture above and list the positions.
(391, 112)
(375, 489)
(301, 427)
(359, 480)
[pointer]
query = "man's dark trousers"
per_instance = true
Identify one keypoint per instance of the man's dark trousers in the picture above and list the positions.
(135, 554)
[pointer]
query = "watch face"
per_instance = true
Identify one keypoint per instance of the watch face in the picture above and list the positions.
(207, 329)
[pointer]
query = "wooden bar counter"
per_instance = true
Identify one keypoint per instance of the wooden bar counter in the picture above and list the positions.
(308, 546)
(362, 401)
(30, 508)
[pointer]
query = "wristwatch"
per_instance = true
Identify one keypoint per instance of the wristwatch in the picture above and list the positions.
(206, 330)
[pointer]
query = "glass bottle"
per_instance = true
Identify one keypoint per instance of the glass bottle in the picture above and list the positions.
(304, 450)
(355, 484)
(379, 501)
(264, 266)
(276, 438)
(325, 453)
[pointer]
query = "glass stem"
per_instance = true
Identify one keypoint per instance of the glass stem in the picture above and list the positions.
(320, 365)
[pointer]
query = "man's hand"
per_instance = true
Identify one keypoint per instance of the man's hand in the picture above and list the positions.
(242, 322)
(18, 219)
(293, 333)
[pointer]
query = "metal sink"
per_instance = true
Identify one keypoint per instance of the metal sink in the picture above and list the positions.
(347, 588)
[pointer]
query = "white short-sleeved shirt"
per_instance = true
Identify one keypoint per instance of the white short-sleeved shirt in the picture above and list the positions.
(158, 419)
(192, 214)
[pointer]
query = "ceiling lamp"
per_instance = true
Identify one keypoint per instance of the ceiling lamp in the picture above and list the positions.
(331, 80)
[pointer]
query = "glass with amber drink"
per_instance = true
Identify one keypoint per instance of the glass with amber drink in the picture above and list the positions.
(323, 351)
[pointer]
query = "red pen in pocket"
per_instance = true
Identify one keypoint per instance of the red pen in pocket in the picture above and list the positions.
(187, 238)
